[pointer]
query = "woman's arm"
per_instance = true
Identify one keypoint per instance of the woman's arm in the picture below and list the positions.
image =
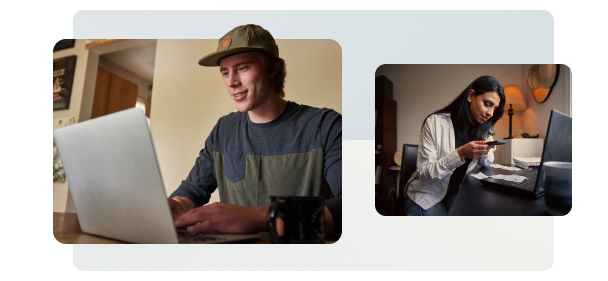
(487, 159)
(430, 168)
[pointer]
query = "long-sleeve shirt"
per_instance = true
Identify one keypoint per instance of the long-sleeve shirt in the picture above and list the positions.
(297, 154)
(437, 160)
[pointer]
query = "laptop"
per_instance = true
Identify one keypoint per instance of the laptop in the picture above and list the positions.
(116, 185)
(557, 147)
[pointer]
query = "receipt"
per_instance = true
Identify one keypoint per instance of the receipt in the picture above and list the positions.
(505, 167)
(479, 175)
(513, 178)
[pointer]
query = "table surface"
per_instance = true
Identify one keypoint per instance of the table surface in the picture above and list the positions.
(67, 231)
(476, 199)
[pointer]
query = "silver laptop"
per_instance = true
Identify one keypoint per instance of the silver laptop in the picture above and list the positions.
(115, 182)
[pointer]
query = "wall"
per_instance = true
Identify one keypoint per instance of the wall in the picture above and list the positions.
(535, 119)
(188, 99)
(422, 89)
(61, 197)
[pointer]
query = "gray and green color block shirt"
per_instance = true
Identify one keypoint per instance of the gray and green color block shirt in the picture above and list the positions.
(297, 154)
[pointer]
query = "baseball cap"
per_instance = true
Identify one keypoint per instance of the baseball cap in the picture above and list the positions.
(241, 39)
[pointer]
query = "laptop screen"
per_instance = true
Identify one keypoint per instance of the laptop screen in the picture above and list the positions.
(558, 145)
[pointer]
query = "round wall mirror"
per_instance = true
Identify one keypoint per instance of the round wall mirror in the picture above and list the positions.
(542, 78)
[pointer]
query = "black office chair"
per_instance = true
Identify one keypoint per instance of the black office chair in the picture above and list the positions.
(409, 156)
(392, 201)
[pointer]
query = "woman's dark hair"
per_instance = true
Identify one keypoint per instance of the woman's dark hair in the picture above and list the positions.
(465, 126)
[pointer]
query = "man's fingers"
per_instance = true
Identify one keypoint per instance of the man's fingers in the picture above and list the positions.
(200, 227)
(175, 213)
(176, 208)
(191, 217)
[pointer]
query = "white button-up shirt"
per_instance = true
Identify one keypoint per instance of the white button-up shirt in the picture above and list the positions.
(437, 160)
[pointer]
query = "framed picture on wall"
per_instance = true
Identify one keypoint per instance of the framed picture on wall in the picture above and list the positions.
(63, 77)
(58, 172)
(64, 44)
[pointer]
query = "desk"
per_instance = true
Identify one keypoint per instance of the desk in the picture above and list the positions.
(475, 199)
(67, 231)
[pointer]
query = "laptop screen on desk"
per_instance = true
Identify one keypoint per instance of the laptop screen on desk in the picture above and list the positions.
(558, 144)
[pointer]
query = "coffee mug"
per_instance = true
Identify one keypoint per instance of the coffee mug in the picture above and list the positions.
(558, 187)
(303, 217)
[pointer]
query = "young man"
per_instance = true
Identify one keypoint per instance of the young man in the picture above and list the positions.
(270, 147)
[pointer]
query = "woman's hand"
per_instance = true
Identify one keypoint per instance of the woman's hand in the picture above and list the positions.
(488, 147)
(473, 150)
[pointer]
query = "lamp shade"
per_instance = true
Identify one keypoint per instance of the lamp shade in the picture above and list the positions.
(514, 98)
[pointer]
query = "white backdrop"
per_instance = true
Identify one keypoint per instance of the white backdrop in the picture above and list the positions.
(463, 243)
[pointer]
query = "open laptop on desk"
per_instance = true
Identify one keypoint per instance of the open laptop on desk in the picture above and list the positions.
(557, 147)
(115, 181)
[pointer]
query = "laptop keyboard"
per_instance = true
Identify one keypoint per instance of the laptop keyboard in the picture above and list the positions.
(527, 184)
(185, 237)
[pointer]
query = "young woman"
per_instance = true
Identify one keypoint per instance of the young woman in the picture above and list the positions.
(452, 141)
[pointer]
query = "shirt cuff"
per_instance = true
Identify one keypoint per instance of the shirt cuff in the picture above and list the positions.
(454, 160)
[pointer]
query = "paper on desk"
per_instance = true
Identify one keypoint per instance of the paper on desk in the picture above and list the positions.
(505, 167)
(529, 161)
(513, 178)
(479, 175)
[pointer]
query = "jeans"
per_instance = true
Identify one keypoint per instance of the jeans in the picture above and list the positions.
(440, 209)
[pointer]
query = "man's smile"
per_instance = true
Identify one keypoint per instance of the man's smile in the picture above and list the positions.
(240, 95)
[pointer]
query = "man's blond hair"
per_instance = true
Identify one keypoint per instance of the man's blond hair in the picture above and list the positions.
(277, 66)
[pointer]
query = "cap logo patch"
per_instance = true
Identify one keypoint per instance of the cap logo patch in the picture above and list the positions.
(225, 43)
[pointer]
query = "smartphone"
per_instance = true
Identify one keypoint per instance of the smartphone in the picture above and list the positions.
(495, 142)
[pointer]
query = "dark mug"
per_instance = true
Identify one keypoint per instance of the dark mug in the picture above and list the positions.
(558, 187)
(304, 218)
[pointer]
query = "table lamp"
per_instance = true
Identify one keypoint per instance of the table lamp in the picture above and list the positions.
(515, 101)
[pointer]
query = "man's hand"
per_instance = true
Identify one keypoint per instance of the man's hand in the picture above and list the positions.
(225, 218)
(179, 206)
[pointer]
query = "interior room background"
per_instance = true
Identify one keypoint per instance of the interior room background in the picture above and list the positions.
(188, 99)
(420, 90)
